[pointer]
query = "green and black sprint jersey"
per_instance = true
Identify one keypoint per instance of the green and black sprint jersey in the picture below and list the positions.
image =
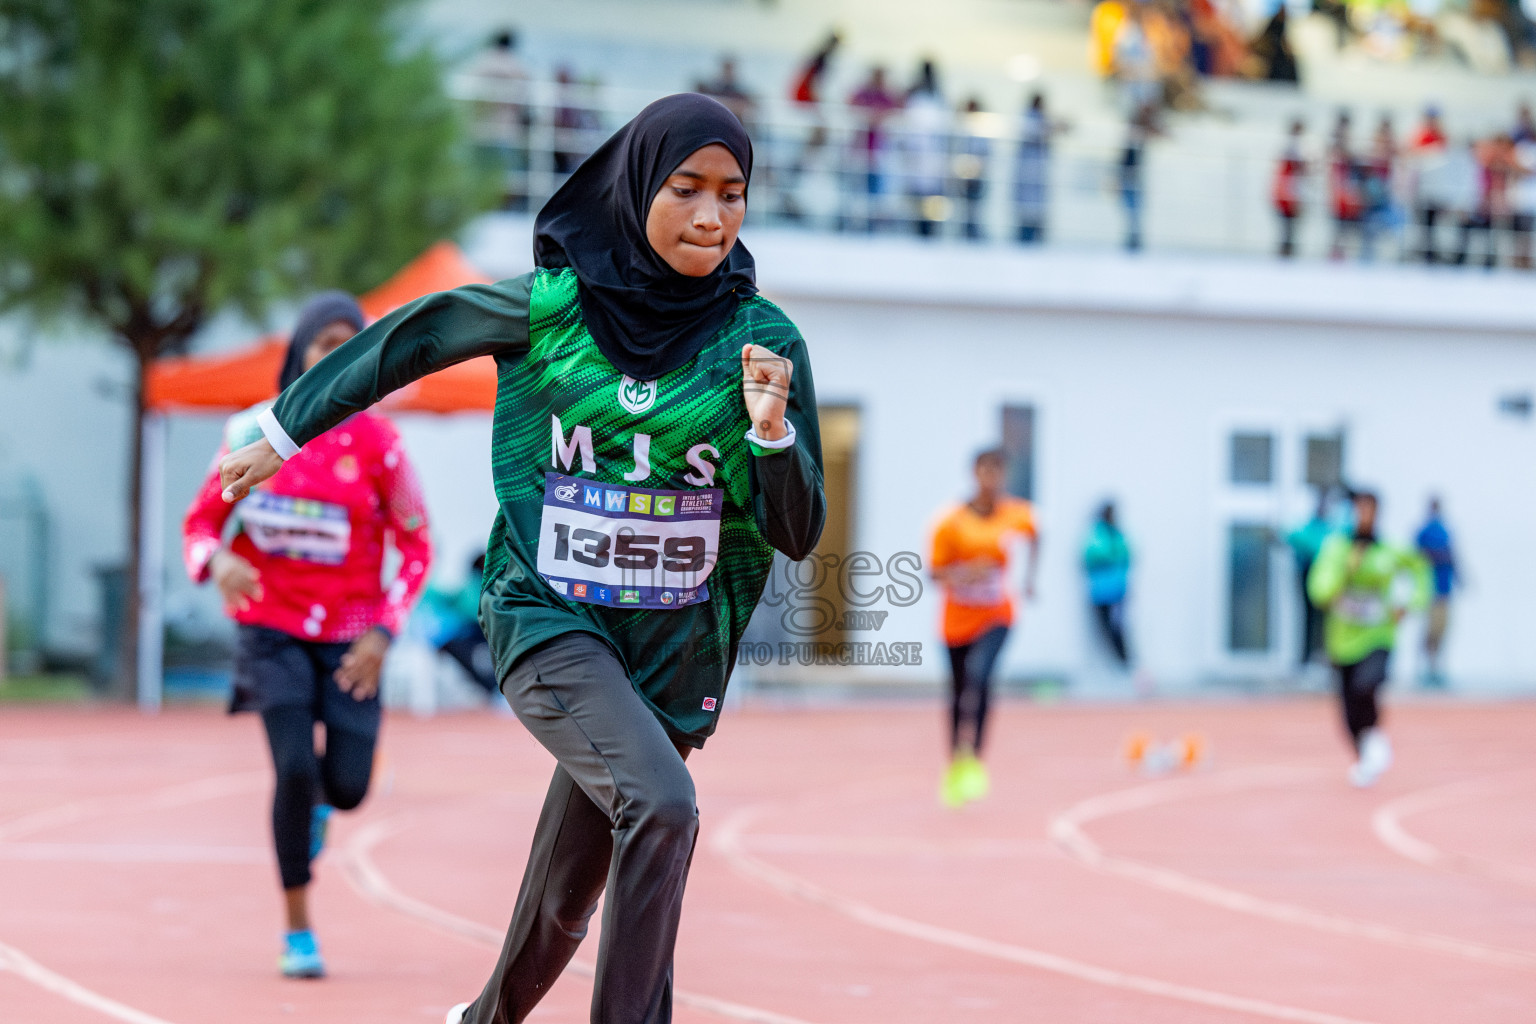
(635, 510)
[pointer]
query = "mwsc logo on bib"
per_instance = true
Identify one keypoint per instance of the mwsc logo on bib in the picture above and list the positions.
(636, 396)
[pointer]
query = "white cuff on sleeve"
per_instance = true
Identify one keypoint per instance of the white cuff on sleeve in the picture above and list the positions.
(783, 442)
(276, 435)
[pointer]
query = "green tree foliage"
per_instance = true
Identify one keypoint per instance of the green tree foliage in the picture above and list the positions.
(163, 159)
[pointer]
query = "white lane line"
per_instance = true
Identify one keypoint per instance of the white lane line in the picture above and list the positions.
(728, 842)
(1066, 829)
(1388, 825)
(133, 853)
(23, 966)
(371, 883)
(178, 795)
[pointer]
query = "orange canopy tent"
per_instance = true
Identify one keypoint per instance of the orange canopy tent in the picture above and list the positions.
(241, 379)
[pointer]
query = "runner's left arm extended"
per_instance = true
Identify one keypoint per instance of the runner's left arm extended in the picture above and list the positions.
(789, 500)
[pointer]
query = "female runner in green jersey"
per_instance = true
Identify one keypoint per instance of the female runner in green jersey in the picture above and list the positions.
(655, 440)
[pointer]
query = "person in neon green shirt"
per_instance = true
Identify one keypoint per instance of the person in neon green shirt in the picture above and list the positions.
(1355, 577)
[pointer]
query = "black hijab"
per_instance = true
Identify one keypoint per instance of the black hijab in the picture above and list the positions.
(645, 317)
(318, 313)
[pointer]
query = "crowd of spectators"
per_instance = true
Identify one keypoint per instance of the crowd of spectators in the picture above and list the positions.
(1432, 198)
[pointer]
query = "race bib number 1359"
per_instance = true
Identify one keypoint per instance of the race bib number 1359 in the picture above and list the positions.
(628, 547)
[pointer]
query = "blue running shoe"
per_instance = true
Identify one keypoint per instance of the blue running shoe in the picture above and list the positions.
(319, 825)
(301, 956)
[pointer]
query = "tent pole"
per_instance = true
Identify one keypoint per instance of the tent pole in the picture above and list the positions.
(151, 581)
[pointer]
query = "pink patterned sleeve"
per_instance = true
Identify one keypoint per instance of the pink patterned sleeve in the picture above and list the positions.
(202, 531)
(405, 508)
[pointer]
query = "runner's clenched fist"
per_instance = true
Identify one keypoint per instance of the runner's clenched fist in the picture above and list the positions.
(765, 388)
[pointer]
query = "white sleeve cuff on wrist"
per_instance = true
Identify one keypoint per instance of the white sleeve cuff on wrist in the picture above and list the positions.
(783, 442)
(276, 435)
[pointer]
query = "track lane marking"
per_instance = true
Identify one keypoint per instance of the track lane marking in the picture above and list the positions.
(23, 966)
(1066, 829)
(1387, 824)
(728, 842)
(371, 883)
(165, 798)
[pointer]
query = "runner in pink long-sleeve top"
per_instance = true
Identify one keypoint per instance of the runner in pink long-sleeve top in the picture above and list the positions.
(303, 578)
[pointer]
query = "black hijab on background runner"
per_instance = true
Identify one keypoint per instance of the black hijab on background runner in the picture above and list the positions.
(318, 313)
(646, 318)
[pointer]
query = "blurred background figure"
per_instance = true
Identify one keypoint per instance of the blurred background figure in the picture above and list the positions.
(456, 628)
(502, 121)
(1431, 186)
(1290, 174)
(1355, 577)
(1271, 48)
(1133, 159)
(927, 126)
(1107, 560)
(1135, 63)
(806, 93)
(1434, 544)
(972, 153)
(1522, 202)
(577, 119)
(868, 179)
(1346, 198)
(1495, 165)
(302, 577)
(1377, 178)
(727, 87)
(1032, 170)
(1305, 542)
(970, 557)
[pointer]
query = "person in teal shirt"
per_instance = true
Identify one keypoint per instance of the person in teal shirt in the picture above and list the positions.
(1107, 559)
(1356, 578)
(1305, 542)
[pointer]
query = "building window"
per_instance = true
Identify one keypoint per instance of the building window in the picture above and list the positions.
(1019, 449)
(1248, 597)
(1325, 459)
(1253, 458)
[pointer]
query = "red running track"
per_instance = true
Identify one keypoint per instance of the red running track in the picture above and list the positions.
(136, 883)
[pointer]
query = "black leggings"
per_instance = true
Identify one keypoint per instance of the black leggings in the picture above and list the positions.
(971, 686)
(1358, 685)
(1112, 623)
(339, 777)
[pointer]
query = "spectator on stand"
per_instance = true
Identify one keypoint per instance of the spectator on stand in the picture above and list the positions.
(1107, 560)
(867, 173)
(1434, 543)
(973, 151)
(1522, 203)
(1104, 23)
(1376, 179)
(1133, 159)
(1032, 170)
(1430, 164)
(1289, 176)
(925, 144)
(728, 89)
(1525, 124)
(1495, 166)
(1345, 195)
(501, 114)
(575, 120)
(806, 94)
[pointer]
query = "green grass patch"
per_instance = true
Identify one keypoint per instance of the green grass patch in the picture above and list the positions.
(31, 689)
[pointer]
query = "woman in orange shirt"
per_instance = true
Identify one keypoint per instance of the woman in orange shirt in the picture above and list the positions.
(970, 561)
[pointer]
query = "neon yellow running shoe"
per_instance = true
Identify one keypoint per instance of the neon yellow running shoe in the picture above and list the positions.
(951, 788)
(975, 782)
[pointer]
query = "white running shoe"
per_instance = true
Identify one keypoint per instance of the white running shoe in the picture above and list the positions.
(456, 1015)
(1359, 777)
(1376, 752)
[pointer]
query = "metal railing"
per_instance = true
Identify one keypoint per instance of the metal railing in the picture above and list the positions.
(935, 173)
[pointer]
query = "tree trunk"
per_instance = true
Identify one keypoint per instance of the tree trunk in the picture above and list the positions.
(124, 684)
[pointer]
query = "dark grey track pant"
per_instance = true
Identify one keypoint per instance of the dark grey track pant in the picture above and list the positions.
(620, 814)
